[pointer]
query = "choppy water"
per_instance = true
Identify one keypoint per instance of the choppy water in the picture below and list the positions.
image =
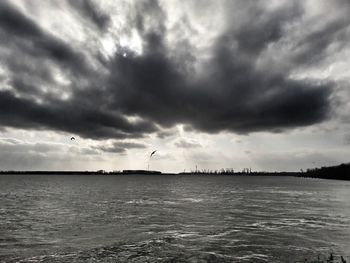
(137, 218)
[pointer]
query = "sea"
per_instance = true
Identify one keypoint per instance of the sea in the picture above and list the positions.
(172, 218)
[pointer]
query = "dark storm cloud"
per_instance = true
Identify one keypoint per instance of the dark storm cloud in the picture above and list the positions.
(347, 139)
(233, 95)
(22, 34)
(69, 117)
(121, 147)
(9, 146)
(89, 11)
(130, 145)
(314, 46)
(112, 149)
(26, 155)
(166, 133)
(149, 15)
(232, 92)
(187, 144)
(78, 115)
(263, 27)
(13, 21)
(25, 33)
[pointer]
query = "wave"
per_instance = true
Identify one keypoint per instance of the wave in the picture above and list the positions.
(154, 250)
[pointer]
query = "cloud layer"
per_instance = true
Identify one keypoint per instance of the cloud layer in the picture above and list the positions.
(239, 79)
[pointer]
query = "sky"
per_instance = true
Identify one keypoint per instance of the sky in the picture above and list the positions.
(212, 83)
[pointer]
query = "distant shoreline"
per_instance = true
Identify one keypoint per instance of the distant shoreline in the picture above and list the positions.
(340, 172)
(143, 172)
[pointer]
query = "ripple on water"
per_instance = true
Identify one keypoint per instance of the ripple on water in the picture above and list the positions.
(155, 250)
(158, 219)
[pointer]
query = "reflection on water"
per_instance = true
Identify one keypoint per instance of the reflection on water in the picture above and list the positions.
(139, 218)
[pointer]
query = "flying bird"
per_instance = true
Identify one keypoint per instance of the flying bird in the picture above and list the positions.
(152, 153)
(72, 138)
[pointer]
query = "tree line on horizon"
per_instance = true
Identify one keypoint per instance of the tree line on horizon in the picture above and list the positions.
(339, 172)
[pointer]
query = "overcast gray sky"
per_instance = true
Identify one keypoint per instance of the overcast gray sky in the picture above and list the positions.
(217, 84)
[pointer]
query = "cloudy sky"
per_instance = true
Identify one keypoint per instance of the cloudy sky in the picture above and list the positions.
(212, 83)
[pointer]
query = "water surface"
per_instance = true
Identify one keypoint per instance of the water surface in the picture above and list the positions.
(142, 218)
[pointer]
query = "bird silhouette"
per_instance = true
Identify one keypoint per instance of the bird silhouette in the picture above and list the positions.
(152, 153)
(72, 138)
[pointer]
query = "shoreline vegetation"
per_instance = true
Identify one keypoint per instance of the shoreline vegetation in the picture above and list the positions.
(339, 172)
(331, 258)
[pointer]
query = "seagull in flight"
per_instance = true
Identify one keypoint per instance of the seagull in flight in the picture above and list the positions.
(72, 138)
(153, 153)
